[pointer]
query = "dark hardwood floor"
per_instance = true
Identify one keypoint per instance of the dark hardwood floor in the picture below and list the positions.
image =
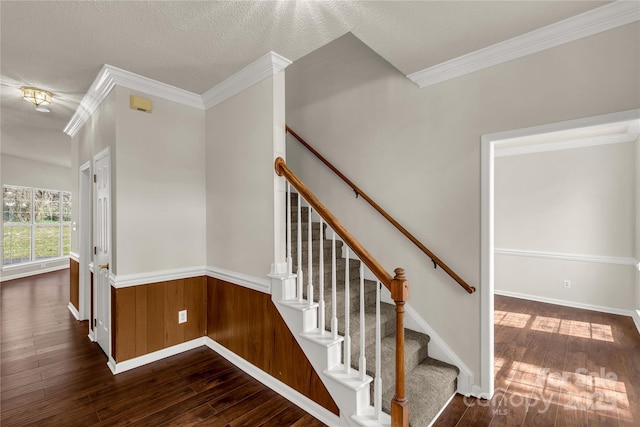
(52, 375)
(557, 366)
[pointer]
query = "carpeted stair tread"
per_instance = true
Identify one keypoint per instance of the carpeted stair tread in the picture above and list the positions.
(428, 387)
(415, 351)
(429, 383)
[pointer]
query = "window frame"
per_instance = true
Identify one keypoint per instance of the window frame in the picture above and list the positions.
(33, 224)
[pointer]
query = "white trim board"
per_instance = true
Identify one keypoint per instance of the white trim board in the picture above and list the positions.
(251, 282)
(5, 278)
(136, 362)
(267, 65)
(565, 303)
(73, 311)
(235, 278)
(74, 256)
(592, 22)
(110, 76)
(276, 385)
(128, 280)
(568, 257)
(636, 319)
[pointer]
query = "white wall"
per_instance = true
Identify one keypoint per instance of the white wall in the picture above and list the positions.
(240, 179)
(577, 201)
(33, 173)
(417, 151)
(160, 186)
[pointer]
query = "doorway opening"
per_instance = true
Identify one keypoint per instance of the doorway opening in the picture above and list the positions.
(531, 139)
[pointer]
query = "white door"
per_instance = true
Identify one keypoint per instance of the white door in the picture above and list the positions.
(102, 242)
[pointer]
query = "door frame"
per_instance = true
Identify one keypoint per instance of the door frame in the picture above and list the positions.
(488, 144)
(106, 152)
(85, 234)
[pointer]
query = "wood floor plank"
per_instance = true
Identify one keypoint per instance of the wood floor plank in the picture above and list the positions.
(580, 367)
(52, 375)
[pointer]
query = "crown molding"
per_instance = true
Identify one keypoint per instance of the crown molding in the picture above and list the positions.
(267, 65)
(603, 18)
(98, 91)
(110, 76)
(152, 87)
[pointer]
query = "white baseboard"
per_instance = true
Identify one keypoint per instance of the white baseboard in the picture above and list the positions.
(636, 319)
(136, 362)
(34, 272)
(276, 385)
(73, 311)
(584, 306)
(92, 336)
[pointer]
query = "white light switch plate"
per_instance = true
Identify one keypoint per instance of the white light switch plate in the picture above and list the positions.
(182, 316)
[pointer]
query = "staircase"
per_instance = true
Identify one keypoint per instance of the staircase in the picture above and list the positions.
(429, 383)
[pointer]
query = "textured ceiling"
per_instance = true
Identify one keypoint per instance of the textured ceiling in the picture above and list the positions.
(61, 46)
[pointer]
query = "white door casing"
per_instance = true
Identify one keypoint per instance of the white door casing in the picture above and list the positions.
(102, 244)
(84, 241)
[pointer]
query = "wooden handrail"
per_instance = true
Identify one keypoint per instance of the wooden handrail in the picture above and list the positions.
(364, 255)
(396, 224)
(397, 285)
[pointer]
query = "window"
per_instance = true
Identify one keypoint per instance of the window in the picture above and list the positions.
(36, 224)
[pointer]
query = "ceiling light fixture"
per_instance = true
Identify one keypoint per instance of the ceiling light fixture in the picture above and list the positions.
(38, 97)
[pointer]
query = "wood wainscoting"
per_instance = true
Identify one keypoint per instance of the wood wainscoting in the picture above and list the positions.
(145, 317)
(247, 323)
(74, 283)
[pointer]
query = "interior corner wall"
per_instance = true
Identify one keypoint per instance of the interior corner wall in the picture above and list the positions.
(95, 135)
(240, 181)
(417, 151)
(160, 182)
(575, 201)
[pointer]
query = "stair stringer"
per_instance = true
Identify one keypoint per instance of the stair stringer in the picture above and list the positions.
(438, 348)
(350, 393)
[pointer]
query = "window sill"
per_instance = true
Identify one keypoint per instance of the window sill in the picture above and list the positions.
(43, 263)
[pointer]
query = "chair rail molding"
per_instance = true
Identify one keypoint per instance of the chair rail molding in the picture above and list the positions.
(568, 256)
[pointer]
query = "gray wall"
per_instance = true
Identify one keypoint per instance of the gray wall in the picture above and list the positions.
(240, 179)
(417, 151)
(33, 173)
(577, 201)
(160, 181)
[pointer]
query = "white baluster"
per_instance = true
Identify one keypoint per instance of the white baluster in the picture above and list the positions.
(321, 281)
(289, 260)
(377, 382)
(310, 259)
(334, 316)
(299, 271)
(363, 360)
(347, 337)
